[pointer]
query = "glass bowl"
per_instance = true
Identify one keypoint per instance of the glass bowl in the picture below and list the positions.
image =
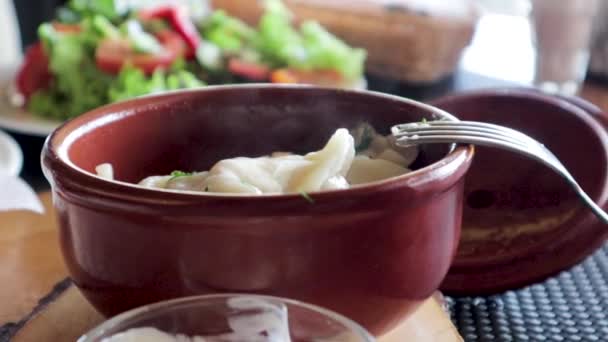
(229, 318)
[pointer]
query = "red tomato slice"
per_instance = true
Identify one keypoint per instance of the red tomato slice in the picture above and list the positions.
(172, 41)
(34, 73)
(179, 20)
(248, 70)
(113, 54)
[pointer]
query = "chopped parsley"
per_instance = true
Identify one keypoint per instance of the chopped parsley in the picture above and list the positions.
(307, 197)
(178, 174)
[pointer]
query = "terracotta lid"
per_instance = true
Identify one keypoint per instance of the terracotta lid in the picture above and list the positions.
(521, 222)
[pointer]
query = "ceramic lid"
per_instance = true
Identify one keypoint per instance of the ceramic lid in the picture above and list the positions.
(521, 222)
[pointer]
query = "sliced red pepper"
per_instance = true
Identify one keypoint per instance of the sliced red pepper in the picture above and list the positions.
(34, 73)
(325, 77)
(179, 20)
(248, 70)
(283, 76)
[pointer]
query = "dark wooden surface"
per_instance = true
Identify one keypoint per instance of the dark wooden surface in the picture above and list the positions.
(39, 304)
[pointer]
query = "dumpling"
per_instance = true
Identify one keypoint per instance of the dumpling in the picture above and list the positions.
(196, 182)
(249, 172)
(336, 182)
(280, 173)
(376, 146)
(230, 183)
(382, 147)
(406, 155)
(105, 170)
(333, 167)
(333, 160)
(321, 170)
(365, 170)
(190, 182)
(155, 181)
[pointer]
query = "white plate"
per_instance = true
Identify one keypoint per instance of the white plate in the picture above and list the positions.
(18, 120)
(11, 157)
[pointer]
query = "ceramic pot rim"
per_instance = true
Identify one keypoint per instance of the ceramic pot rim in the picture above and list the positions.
(63, 174)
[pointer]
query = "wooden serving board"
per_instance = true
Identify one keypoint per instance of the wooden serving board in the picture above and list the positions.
(70, 315)
(47, 307)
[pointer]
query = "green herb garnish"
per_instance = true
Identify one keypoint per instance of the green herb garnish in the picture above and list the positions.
(178, 174)
(307, 197)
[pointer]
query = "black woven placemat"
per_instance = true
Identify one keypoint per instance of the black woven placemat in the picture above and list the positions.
(572, 306)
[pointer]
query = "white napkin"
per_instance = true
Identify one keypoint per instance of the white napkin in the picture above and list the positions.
(16, 194)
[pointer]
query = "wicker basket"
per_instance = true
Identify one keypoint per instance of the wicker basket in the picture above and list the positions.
(403, 41)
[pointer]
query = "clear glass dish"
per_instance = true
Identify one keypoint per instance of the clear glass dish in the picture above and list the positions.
(229, 318)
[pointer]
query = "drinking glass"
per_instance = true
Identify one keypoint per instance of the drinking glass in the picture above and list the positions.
(562, 34)
(230, 318)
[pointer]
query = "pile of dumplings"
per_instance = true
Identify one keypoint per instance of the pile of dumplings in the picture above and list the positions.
(346, 160)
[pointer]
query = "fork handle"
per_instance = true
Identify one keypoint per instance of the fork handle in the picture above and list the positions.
(596, 209)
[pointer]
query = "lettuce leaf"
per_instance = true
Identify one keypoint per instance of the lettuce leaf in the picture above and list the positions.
(79, 86)
(132, 82)
(110, 9)
(326, 51)
(229, 33)
(310, 47)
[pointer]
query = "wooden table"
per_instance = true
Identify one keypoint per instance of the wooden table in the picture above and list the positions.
(32, 269)
(30, 261)
(31, 264)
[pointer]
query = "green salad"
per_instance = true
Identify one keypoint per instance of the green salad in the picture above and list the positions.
(101, 51)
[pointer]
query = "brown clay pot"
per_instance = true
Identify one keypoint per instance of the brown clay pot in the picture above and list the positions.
(372, 253)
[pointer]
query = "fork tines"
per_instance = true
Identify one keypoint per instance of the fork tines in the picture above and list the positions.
(460, 131)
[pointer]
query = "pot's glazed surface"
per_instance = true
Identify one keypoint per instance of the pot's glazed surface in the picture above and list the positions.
(372, 252)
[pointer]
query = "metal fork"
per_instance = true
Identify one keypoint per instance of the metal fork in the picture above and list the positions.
(485, 134)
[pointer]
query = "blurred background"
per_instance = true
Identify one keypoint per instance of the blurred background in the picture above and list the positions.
(527, 42)
(30, 14)
(503, 45)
